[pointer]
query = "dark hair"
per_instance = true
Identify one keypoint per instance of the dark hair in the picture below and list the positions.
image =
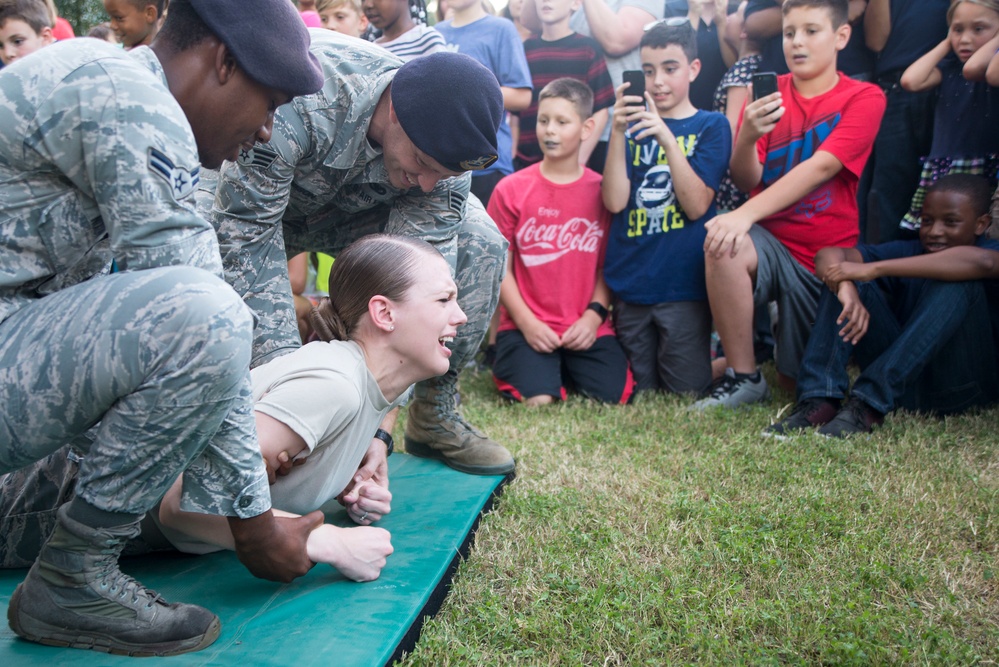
(975, 188)
(101, 31)
(576, 92)
(839, 10)
(183, 28)
(374, 265)
(660, 35)
(161, 5)
(33, 12)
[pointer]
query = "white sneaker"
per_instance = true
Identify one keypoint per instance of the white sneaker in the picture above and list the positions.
(730, 392)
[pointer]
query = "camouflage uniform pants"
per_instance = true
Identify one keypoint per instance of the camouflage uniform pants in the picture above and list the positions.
(478, 258)
(154, 362)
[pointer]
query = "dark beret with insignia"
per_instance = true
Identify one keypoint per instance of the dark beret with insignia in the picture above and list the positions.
(450, 106)
(268, 39)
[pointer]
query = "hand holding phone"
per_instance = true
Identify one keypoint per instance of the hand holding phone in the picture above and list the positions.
(764, 83)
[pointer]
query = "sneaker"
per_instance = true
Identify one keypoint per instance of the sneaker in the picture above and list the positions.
(809, 413)
(732, 392)
(855, 417)
(75, 596)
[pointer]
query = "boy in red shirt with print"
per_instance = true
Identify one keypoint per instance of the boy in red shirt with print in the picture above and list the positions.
(800, 152)
(553, 333)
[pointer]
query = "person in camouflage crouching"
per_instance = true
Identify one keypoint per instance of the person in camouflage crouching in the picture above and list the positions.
(383, 147)
(117, 332)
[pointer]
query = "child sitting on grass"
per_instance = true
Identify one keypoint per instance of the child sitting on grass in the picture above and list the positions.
(915, 316)
(553, 330)
(800, 152)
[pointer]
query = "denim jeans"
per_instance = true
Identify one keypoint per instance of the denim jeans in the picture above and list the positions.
(938, 357)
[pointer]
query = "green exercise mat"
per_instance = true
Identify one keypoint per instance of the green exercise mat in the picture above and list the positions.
(321, 618)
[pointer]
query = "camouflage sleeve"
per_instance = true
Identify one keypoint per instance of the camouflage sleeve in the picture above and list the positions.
(136, 153)
(435, 216)
(251, 198)
(229, 478)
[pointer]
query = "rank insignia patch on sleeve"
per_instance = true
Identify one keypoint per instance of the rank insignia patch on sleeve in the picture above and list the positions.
(456, 202)
(181, 181)
(259, 156)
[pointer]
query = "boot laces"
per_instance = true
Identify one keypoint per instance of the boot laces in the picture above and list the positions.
(120, 584)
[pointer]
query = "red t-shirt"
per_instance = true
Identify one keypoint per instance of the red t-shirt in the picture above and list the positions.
(843, 122)
(558, 236)
(63, 29)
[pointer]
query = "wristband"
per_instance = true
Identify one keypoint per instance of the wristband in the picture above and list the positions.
(386, 437)
(598, 308)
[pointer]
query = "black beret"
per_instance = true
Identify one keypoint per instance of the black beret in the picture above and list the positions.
(450, 106)
(268, 39)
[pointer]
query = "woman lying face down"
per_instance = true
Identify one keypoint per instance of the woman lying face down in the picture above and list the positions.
(392, 309)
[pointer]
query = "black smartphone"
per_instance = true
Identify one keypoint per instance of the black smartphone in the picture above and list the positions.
(764, 83)
(636, 78)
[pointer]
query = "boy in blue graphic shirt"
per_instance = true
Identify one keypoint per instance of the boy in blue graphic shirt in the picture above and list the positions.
(665, 159)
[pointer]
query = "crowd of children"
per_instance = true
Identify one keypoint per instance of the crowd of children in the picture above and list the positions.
(708, 205)
(719, 216)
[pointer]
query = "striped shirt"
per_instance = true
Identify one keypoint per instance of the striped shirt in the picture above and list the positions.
(575, 56)
(419, 41)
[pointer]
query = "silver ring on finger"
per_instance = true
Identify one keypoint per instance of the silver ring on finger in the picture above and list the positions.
(364, 516)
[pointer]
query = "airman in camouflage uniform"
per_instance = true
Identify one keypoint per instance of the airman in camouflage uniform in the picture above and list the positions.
(354, 159)
(148, 360)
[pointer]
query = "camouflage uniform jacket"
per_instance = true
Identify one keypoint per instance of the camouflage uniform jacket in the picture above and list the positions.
(319, 169)
(97, 161)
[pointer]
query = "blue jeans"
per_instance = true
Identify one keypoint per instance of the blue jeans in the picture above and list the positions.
(938, 357)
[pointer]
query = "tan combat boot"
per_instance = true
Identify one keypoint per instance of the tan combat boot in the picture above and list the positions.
(75, 595)
(435, 429)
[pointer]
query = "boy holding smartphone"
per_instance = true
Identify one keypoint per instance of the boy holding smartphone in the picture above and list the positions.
(799, 152)
(665, 159)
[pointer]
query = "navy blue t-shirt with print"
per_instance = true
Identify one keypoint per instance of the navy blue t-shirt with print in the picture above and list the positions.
(655, 254)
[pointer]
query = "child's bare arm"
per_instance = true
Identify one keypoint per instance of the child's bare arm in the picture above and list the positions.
(727, 231)
(759, 118)
(516, 99)
(992, 73)
(735, 97)
(582, 334)
(765, 23)
(951, 265)
(615, 188)
(832, 256)
(977, 65)
(924, 73)
(539, 335)
(877, 24)
(620, 32)
(694, 196)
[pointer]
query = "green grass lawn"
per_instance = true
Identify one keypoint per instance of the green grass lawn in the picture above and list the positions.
(647, 535)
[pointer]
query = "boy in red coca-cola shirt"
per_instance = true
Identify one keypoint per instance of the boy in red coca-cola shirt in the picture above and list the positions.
(553, 333)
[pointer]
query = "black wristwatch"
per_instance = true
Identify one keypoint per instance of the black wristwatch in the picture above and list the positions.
(386, 437)
(599, 309)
